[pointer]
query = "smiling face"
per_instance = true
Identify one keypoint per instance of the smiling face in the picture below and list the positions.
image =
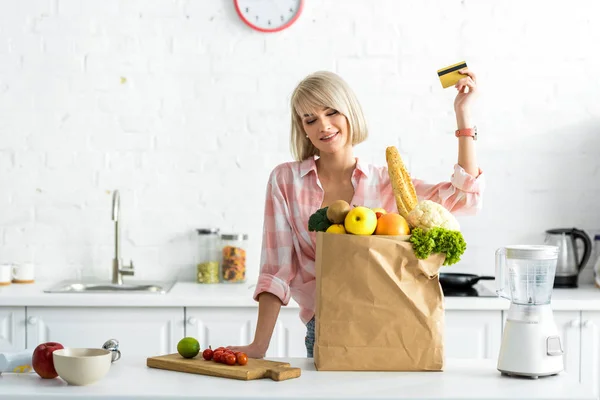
(326, 116)
(327, 129)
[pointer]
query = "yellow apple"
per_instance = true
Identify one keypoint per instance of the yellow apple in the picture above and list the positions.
(336, 228)
(361, 221)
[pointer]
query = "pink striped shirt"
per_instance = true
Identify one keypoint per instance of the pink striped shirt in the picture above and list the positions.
(294, 193)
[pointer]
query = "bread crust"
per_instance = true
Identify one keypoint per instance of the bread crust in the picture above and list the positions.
(404, 190)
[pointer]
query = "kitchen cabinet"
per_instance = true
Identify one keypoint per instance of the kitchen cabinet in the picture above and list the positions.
(472, 334)
(590, 349)
(144, 331)
(469, 334)
(148, 331)
(290, 331)
(568, 324)
(217, 326)
(12, 328)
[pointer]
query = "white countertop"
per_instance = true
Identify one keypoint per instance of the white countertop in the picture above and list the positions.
(462, 379)
(189, 294)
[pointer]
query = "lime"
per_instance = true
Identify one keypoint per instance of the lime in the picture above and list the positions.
(188, 347)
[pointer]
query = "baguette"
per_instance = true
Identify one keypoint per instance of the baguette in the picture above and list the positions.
(404, 190)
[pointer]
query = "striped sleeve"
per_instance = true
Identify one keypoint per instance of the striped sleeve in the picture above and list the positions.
(277, 267)
(462, 195)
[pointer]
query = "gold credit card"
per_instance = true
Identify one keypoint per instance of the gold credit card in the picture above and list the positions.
(450, 75)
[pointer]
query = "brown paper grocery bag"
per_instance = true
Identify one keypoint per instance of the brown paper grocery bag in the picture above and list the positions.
(378, 307)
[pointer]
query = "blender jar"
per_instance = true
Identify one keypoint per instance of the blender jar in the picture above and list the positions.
(233, 262)
(528, 272)
(207, 267)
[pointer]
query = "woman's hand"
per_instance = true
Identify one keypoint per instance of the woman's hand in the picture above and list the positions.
(467, 88)
(252, 350)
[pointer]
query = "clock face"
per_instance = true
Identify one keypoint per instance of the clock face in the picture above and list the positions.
(269, 15)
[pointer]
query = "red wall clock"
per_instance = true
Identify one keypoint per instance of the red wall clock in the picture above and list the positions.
(269, 15)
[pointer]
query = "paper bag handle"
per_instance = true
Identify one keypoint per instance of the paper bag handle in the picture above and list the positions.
(501, 273)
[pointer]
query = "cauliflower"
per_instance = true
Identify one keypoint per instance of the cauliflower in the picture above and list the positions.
(429, 214)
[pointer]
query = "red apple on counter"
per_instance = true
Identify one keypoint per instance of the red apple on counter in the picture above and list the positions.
(42, 360)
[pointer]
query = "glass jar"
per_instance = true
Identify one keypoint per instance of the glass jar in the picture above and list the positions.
(233, 261)
(207, 265)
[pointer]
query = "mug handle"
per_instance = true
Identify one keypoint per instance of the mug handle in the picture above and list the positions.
(13, 271)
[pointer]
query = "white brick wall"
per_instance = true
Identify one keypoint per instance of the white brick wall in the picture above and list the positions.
(154, 98)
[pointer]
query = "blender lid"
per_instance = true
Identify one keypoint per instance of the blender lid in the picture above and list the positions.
(532, 252)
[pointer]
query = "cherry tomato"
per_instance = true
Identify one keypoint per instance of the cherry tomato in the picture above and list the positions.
(207, 354)
(217, 356)
(220, 348)
(229, 358)
(242, 358)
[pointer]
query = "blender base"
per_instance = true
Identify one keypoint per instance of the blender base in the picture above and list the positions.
(525, 375)
(531, 345)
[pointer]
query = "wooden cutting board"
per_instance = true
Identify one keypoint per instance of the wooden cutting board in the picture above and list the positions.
(254, 369)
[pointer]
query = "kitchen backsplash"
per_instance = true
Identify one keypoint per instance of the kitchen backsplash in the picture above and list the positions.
(184, 110)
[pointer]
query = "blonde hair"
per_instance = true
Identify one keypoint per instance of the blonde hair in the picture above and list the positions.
(319, 90)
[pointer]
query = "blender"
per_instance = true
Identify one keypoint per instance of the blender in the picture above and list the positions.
(531, 345)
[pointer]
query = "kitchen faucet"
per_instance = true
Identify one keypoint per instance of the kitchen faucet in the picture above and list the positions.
(118, 269)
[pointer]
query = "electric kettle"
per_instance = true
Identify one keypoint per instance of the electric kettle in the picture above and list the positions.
(570, 263)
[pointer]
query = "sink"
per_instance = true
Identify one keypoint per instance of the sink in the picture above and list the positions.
(109, 287)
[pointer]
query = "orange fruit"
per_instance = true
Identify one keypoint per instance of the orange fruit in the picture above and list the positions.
(392, 224)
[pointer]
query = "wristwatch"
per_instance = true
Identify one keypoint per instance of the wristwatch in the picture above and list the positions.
(467, 132)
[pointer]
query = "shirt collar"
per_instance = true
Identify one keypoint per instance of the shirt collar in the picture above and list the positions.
(309, 165)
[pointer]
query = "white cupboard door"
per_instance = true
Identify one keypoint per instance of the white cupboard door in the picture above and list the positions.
(142, 332)
(289, 335)
(216, 326)
(220, 327)
(568, 326)
(12, 328)
(590, 349)
(568, 323)
(472, 334)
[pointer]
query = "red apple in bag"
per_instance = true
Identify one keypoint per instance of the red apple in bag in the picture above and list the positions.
(42, 360)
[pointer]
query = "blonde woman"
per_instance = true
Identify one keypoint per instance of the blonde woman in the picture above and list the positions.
(327, 121)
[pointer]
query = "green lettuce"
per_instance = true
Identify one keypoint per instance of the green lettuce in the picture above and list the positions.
(438, 240)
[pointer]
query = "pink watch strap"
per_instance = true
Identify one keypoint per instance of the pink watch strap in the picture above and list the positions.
(472, 132)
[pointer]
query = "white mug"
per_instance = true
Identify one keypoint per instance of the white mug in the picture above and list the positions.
(23, 273)
(5, 274)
